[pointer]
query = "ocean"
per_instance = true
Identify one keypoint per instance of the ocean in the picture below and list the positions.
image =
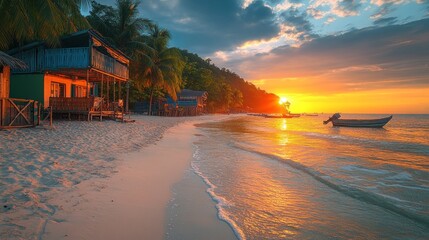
(299, 179)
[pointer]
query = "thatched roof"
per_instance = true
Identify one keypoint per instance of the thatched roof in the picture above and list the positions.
(6, 60)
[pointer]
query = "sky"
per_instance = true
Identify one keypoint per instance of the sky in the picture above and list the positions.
(369, 56)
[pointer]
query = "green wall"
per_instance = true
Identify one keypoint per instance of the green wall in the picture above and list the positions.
(27, 86)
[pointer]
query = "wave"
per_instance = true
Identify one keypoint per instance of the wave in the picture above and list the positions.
(219, 201)
(354, 192)
(415, 148)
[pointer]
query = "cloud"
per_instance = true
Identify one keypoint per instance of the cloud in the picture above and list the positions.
(209, 26)
(363, 68)
(280, 6)
(340, 8)
(348, 8)
(299, 25)
(393, 56)
(316, 13)
(383, 11)
(386, 21)
(383, 2)
(329, 20)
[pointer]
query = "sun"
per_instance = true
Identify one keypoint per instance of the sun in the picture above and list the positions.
(282, 100)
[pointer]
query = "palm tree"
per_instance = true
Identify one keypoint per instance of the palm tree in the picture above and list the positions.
(120, 25)
(236, 98)
(154, 65)
(27, 20)
(160, 66)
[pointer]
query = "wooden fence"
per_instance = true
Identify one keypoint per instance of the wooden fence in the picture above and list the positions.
(71, 105)
(18, 113)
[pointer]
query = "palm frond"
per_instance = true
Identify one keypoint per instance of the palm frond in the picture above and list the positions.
(6, 60)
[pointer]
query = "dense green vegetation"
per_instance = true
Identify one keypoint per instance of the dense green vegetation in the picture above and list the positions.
(155, 70)
(227, 91)
(24, 21)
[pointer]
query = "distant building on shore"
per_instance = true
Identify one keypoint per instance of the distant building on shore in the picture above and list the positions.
(197, 99)
(188, 103)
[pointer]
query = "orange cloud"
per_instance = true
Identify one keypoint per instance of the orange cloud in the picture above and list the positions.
(368, 71)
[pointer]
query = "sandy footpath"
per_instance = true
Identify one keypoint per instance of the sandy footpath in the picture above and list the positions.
(92, 180)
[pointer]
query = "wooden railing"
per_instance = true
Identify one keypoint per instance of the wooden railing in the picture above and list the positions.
(108, 64)
(67, 58)
(18, 113)
(71, 105)
(41, 59)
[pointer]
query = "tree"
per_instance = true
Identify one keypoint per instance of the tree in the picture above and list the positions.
(160, 66)
(225, 88)
(29, 20)
(121, 25)
(154, 65)
(237, 98)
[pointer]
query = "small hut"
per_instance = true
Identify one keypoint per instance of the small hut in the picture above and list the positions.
(189, 103)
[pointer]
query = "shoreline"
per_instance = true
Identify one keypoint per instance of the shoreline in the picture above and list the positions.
(96, 191)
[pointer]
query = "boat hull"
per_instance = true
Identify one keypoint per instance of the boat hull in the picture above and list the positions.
(367, 123)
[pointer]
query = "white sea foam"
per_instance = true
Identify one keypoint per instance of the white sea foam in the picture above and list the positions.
(221, 202)
(401, 176)
(366, 170)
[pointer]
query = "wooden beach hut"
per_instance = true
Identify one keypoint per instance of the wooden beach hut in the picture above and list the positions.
(83, 76)
(14, 112)
(189, 103)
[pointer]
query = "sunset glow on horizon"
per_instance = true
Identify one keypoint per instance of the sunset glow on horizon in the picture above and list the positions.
(282, 100)
(325, 56)
(412, 101)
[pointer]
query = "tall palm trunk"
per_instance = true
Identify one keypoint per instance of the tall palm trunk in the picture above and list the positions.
(150, 101)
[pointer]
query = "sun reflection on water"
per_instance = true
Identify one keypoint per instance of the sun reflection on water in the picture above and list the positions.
(274, 206)
(283, 125)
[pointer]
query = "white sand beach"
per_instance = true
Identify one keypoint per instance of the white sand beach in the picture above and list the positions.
(101, 180)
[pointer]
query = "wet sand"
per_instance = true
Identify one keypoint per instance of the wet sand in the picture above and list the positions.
(121, 191)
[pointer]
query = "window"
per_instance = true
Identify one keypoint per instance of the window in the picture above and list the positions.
(58, 89)
(78, 91)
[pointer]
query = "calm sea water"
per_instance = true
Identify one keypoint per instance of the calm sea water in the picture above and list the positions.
(300, 179)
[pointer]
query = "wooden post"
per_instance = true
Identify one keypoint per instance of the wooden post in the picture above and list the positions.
(128, 94)
(120, 90)
(87, 83)
(102, 81)
(35, 112)
(50, 116)
(114, 89)
(2, 112)
(102, 98)
(123, 117)
(39, 109)
(108, 91)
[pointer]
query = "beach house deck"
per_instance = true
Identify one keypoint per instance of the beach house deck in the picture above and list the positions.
(85, 75)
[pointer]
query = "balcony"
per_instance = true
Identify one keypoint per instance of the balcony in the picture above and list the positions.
(108, 64)
(66, 59)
